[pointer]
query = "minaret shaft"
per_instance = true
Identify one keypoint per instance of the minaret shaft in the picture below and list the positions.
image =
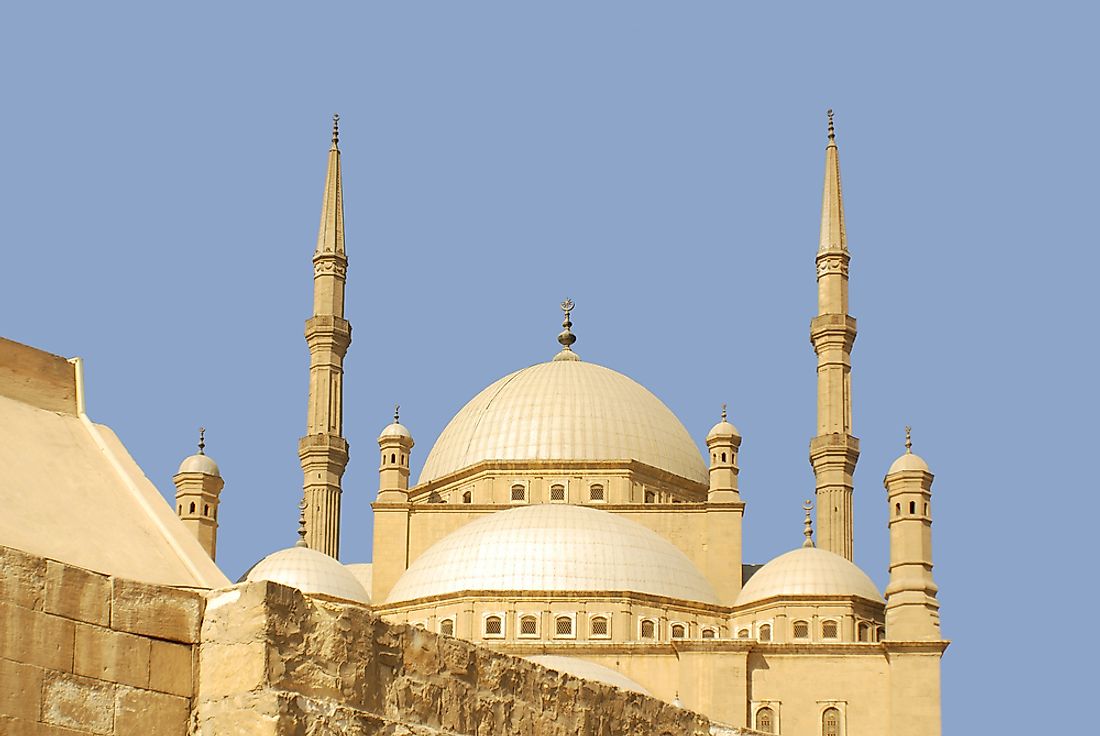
(834, 451)
(323, 450)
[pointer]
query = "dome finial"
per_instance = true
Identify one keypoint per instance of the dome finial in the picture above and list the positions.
(396, 413)
(336, 130)
(202, 440)
(566, 337)
(832, 131)
(808, 527)
(723, 411)
(908, 440)
(301, 525)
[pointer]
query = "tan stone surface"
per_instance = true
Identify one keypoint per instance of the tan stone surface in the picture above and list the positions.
(171, 668)
(79, 703)
(37, 378)
(22, 578)
(156, 611)
(33, 637)
(111, 656)
(77, 594)
(150, 714)
(20, 689)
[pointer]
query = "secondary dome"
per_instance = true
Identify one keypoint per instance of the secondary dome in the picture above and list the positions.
(565, 410)
(309, 571)
(588, 670)
(808, 571)
(199, 464)
(553, 547)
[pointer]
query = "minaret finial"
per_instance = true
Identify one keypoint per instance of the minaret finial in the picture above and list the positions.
(336, 130)
(301, 525)
(396, 413)
(807, 525)
(202, 440)
(832, 131)
(566, 337)
(908, 440)
(723, 411)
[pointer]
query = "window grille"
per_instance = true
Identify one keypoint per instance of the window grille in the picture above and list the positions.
(599, 626)
(494, 626)
(563, 626)
(830, 722)
(801, 630)
(519, 493)
(447, 626)
(678, 631)
(765, 632)
(829, 630)
(765, 720)
(649, 629)
(528, 626)
(557, 492)
(595, 493)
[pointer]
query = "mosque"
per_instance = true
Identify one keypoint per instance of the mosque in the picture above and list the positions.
(564, 515)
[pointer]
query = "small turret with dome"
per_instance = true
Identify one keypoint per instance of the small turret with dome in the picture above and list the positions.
(198, 492)
(723, 441)
(310, 571)
(395, 443)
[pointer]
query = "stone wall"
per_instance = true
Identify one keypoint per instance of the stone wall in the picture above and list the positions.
(277, 663)
(82, 653)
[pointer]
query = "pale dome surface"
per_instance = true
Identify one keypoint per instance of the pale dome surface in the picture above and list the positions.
(553, 547)
(199, 464)
(589, 671)
(565, 410)
(808, 571)
(908, 461)
(309, 571)
(395, 430)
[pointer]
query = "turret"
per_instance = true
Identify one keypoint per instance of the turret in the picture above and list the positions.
(395, 444)
(323, 451)
(833, 451)
(198, 487)
(912, 611)
(723, 441)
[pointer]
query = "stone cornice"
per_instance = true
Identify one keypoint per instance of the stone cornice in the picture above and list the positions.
(612, 597)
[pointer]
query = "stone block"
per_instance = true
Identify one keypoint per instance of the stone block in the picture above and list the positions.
(22, 578)
(171, 668)
(78, 594)
(20, 690)
(22, 727)
(227, 669)
(79, 703)
(150, 714)
(157, 611)
(111, 655)
(34, 637)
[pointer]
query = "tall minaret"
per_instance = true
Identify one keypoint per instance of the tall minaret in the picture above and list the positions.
(834, 451)
(324, 451)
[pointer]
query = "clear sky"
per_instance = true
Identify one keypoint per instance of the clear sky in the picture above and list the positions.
(660, 163)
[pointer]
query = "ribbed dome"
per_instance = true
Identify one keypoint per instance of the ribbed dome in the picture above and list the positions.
(199, 464)
(309, 571)
(808, 571)
(553, 547)
(588, 670)
(908, 461)
(565, 410)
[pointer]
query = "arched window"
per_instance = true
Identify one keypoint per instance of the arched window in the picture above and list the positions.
(679, 631)
(765, 632)
(897, 509)
(829, 630)
(598, 627)
(708, 633)
(192, 507)
(563, 626)
(723, 457)
(650, 497)
(801, 630)
(557, 492)
(447, 626)
(649, 629)
(467, 497)
(180, 510)
(880, 633)
(206, 509)
(765, 720)
(393, 458)
(402, 458)
(830, 722)
(595, 492)
(912, 507)
(494, 626)
(926, 509)
(865, 631)
(528, 626)
(519, 493)
(743, 634)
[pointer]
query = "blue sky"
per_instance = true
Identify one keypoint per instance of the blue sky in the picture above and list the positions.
(661, 164)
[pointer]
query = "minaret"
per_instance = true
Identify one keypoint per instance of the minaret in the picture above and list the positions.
(324, 451)
(723, 441)
(198, 488)
(834, 451)
(912, 611)
(395, 443)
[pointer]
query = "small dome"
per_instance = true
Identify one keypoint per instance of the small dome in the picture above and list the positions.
(364, 573)
(199, 464)
(808, 571)
(722, 430)
(908, 461)
(309, 571)
(395, 430)
(566, 410)
(553, 547)
(589, 671)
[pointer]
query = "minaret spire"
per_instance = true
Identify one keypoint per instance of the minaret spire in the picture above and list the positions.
(323, 450)
(833, 451)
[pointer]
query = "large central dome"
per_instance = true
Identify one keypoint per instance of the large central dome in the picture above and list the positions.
(566, 410)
